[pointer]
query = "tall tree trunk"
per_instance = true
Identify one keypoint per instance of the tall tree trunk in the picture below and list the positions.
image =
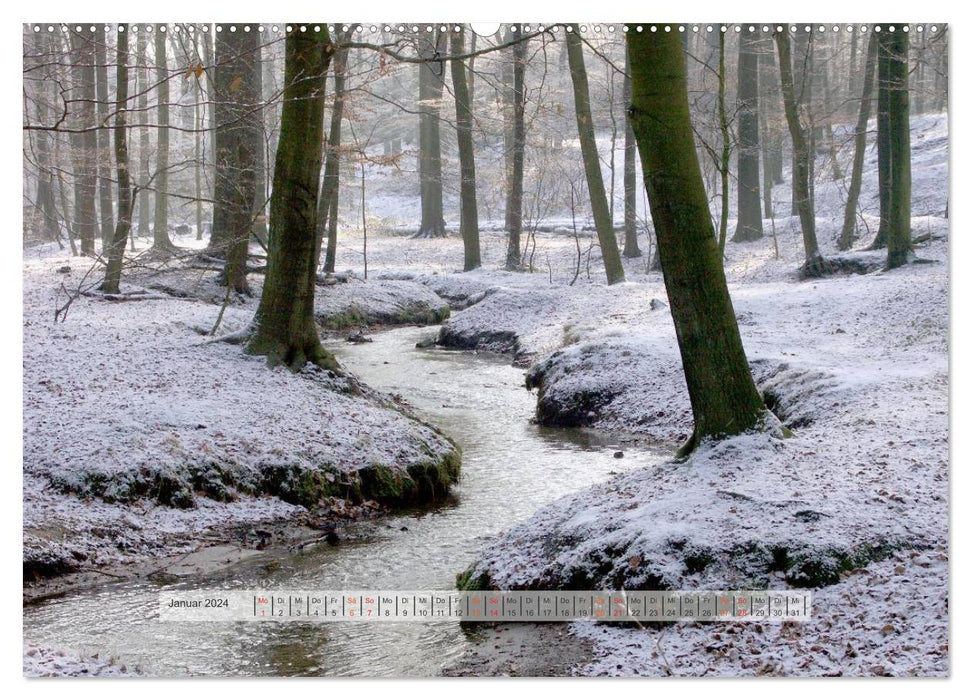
(328, 207)
(160, 232)
(116, 247)
(591, 160)
(724, 399)
(105, 200)
(769, 137)
(285, 329)
(144, 165)
(631, 249)
(896, 45)
(44, 200)
(260, 229)
(815, 265)
(516, 156)
(848, 234)
(884, 173)
(802, 80)
(431, 82)
(463, 119)
(237, 142)
(726, 154)
(86, 169)
(749, 226)
(200, 153)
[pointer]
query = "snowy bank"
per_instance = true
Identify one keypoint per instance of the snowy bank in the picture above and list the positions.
(140, 439)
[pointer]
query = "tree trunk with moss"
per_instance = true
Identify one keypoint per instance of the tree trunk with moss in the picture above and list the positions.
(238, 142)
(591, 160)
(285, 329)
(848, 234)
(815, 265)
(749, 226)
(896, 45)
(724, 399)
(469, 225)
(116, 246)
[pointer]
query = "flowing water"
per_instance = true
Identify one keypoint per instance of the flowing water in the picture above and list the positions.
(510, 468)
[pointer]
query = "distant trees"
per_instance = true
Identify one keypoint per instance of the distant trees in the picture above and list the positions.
(330, 189)
(724, 399)
(613, 265)
(469, 225)
(802, 155)
(848, 233)
(285, 331)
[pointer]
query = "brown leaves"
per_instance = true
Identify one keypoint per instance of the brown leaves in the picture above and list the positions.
(195, 69)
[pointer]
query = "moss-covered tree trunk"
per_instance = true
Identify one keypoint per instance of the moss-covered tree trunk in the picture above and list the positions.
(749, 226)
(613, 265)
(848, 234)
(898, 139)
(815, 265)
(724, 399)
(516, 157)
(161, 244)
(285, 329)
(238, 140)
(469, 225)
(116, 246)
(330, 189)
(631, 248)
(431, 83)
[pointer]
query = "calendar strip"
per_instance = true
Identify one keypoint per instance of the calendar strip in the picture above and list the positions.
(483, 606)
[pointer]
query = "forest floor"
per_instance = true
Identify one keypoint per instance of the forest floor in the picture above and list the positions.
(854, 504)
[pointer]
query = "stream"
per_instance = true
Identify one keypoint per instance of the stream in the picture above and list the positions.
(510, 468)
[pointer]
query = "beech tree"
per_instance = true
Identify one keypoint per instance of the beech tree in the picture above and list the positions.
(285, 331)
(591, 159)
(631, 249)
(105, 200)
(161, 243)
(86, 142)
(724, 399)
(515, 156)
(431, 83)
(469, 225)
(238, 140)
(749, 226)
(116, 245)
(894, 44)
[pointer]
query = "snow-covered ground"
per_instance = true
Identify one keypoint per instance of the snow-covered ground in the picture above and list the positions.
(855, 502)
(43, 662)
(141, 439)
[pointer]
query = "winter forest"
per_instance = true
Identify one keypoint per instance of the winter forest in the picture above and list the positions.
(559, 307)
